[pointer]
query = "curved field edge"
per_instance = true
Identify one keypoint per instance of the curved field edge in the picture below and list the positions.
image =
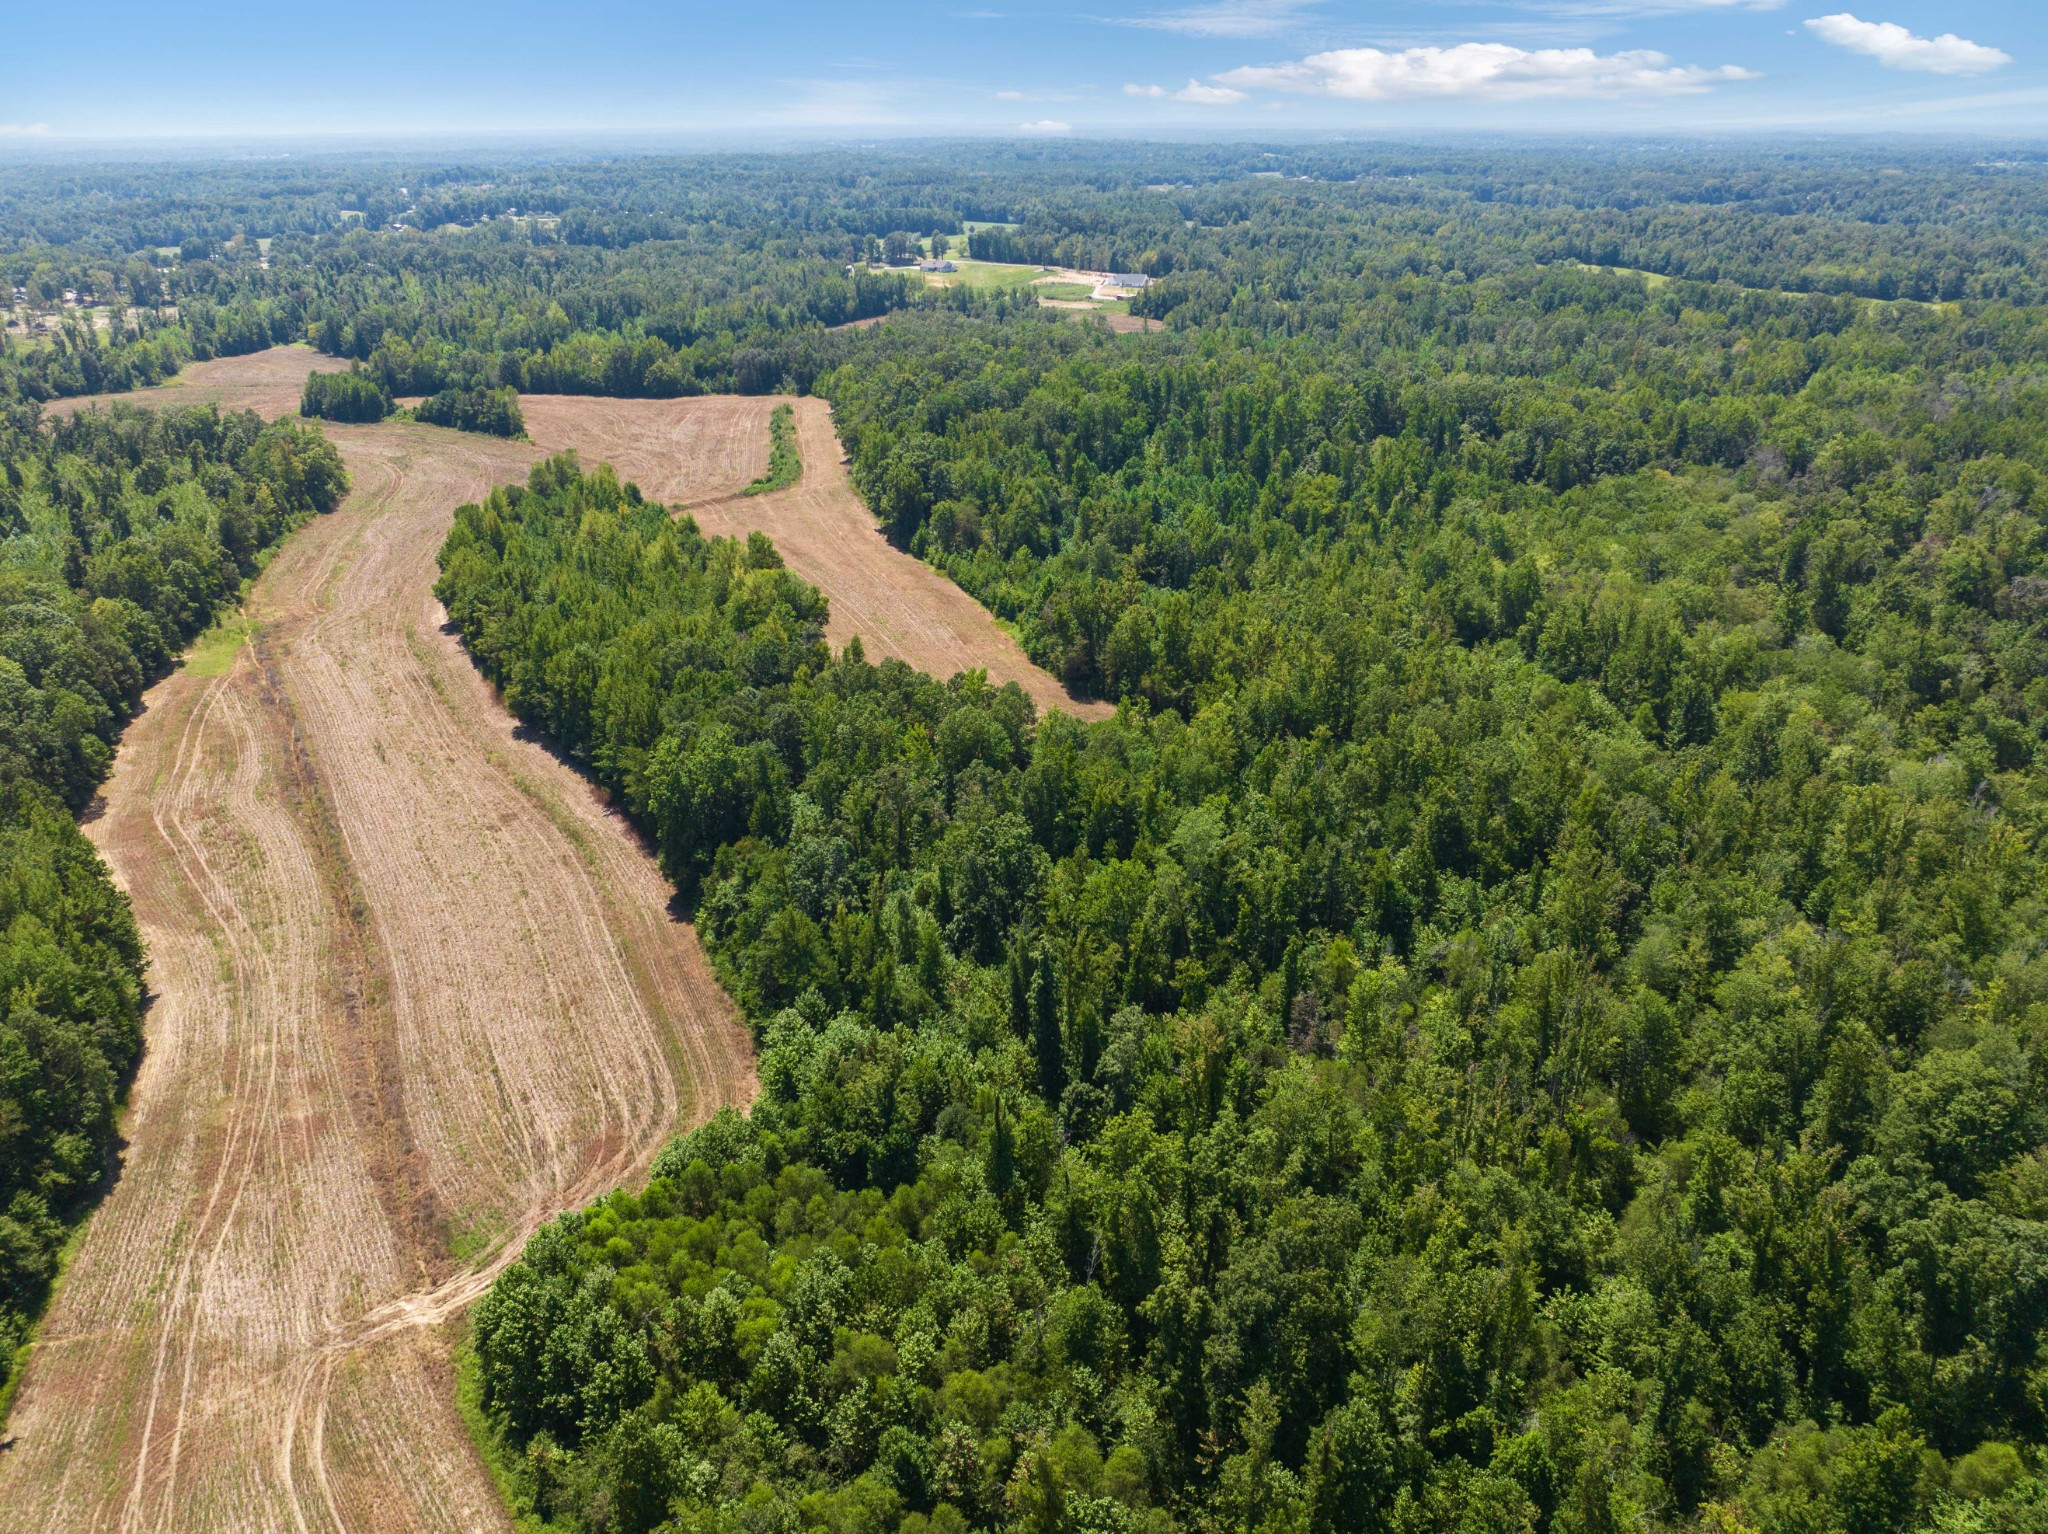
(318, 576)
(80, 976)
(487, 1433)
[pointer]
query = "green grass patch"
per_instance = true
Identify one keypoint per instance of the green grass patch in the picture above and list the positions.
(1065, 292)
(17, 1365)
(214, 651)
(785, 464)
(472, 1235)
(994, 274)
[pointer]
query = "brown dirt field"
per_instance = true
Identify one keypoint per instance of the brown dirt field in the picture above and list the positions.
(898, 605)
(680, 451)
(267, 382)
(413, 982)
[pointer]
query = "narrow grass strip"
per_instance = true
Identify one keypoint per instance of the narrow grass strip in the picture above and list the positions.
(785, 464)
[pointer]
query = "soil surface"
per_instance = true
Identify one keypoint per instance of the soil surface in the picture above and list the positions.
(416, 989)
(267, 382)
(697, 453)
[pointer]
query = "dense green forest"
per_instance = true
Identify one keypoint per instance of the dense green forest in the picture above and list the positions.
(494, 412)
(1532, 1016)
(678, 275)
(124, 534)
(350, 396)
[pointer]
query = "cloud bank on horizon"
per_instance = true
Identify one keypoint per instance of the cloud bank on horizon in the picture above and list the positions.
(1496, 71)
(1106, 67)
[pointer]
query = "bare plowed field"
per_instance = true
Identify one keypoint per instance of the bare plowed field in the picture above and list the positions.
(898, 605)
(416, 991)
(267, 382)
(696, 452)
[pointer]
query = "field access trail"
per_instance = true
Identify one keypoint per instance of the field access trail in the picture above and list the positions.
(416, 990)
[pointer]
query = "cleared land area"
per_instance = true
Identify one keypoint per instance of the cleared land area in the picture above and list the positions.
(267, 382)
(416, 991)
(416, 988)
(698, 453)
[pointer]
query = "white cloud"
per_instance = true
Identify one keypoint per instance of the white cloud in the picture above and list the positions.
(1492, 71)
(1194, 92)
(1208, 95)
(1013, 95)
(1224, 18)
(24, 130)
(1045, 127)
(1896, 48)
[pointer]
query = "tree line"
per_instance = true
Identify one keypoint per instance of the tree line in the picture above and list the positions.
(1530, 1017)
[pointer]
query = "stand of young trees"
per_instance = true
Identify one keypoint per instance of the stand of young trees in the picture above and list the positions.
(350, 396)
(124, 535)
(494, 412)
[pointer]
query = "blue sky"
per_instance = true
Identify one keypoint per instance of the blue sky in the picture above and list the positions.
(1224, 68)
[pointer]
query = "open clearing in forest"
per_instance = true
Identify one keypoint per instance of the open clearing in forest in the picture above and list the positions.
(413, 982)
(267, 382)
(898, 605)
(699, 453)
(416, 989)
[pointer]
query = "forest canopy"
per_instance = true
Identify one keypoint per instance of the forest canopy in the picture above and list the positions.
(1538, 1026)
(1533, 1015)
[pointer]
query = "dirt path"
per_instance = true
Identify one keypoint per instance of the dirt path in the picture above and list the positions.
(417, 990)
(898, 605)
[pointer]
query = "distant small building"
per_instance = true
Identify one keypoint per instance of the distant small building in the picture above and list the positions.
(1132, 280)
(937, 266)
